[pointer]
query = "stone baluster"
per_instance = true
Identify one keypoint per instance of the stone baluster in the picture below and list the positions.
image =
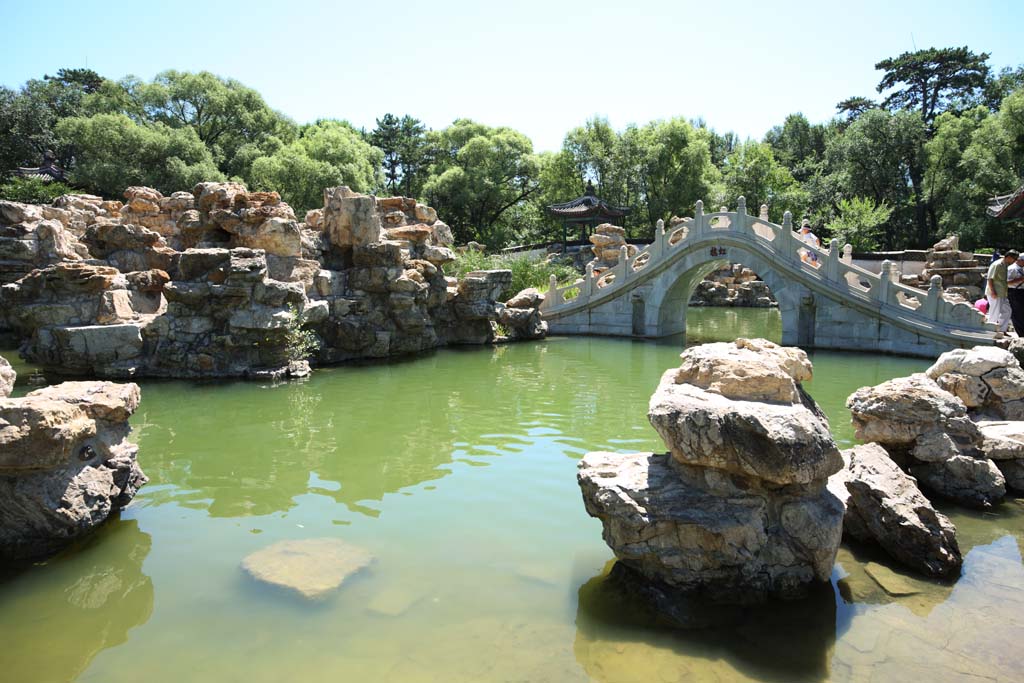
(784, 242)
(832, 260)
(848, 254)
(698, 218)
(763, 215)
(930, 307)
(658, 248)
(554, 296)
(741, 216)
(588, 283)
(623, 262)
(884, 282)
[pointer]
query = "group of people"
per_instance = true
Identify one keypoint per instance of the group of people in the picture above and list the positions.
(1004, 284)
(1004, 292)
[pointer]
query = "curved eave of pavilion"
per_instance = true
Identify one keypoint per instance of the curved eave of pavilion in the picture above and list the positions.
(587, 207)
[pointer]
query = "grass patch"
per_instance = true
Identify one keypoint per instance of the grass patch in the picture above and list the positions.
(525, 272)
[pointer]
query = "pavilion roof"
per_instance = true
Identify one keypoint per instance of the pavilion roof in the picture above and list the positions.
(587, 207)
(1007, 206)
(47, 172)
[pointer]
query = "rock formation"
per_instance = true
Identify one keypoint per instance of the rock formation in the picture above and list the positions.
(738, 510)
(963, 277)
(608, 241)
(734, 285)
(927, 430)
(218, 281)
(990, 383)
(884, 506)
(65, 463)
(7, 377)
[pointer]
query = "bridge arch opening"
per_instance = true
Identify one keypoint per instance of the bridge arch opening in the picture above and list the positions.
(669, 300)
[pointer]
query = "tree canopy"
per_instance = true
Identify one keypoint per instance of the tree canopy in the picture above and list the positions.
(946, 135)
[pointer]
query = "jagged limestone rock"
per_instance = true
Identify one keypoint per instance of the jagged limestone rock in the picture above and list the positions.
(65, 463)
(884, 506)
(739, 509)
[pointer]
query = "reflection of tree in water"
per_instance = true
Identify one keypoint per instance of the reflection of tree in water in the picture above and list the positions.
(58, 616)
(620, 638)
(239, 449)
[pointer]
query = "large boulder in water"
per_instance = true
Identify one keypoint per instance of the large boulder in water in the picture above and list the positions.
(884, 506)
(738, 510)
(65, 463)
(929, 431)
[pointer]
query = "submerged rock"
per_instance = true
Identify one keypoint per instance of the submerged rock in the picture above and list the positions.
(65, 463)
(884, 505)
(738, 510)
(312, 567)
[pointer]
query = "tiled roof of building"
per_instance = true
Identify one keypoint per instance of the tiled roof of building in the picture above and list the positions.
(588, 206)
(1008, 205)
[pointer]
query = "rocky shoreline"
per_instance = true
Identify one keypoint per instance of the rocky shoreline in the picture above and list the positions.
(66, 464)
(223, 282)
(753, 497)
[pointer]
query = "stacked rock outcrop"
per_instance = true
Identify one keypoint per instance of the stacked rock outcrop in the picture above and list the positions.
(990, 383)
(738, 510)
(956, 427)
(608, 241)
(734, 285)
(884, 506)
(65, 463)
(32, 237)
(963, 278)
(216, 282)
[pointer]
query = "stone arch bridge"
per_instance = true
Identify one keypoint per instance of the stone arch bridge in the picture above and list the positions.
(824, 299)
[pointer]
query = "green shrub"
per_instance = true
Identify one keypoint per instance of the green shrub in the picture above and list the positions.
(300, 342)
(526, 272)
(32, 190)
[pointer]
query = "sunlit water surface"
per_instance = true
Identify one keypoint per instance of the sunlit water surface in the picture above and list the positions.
(457, 471)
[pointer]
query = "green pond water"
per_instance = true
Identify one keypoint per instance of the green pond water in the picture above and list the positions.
(456, 470)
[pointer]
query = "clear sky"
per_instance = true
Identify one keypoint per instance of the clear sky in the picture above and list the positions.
(541, 67)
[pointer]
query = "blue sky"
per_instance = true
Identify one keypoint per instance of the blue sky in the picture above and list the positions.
(540, 67)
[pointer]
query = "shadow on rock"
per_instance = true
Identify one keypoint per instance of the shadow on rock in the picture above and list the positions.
(629, 625)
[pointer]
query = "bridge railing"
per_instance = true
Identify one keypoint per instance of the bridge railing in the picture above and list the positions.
(832, 267)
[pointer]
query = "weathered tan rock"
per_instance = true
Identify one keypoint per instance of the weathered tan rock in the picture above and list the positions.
(974, 482)
(1003, 440)
(972, 362)
(739, 510)
(900, 410)
(528, 298)
(65, 463)
(738, 545)
(7, 377)
(884, 506)
(779, 443)
(312, 568)
(350, 219)
(755, 371)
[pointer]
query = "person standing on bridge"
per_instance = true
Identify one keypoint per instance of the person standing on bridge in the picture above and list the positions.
(997, 290)
(1015, 282)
